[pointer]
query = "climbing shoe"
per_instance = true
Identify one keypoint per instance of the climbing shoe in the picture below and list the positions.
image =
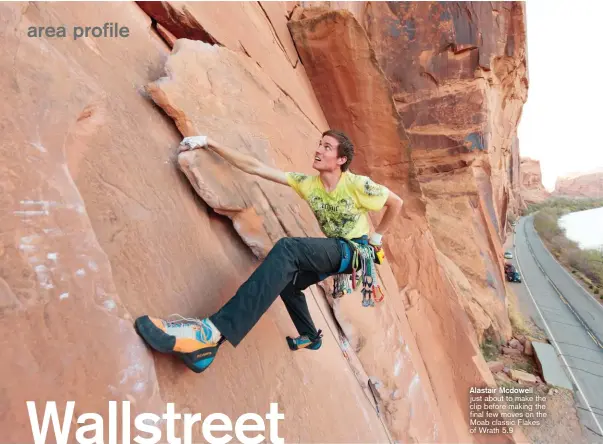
(195, 341)
(305, 341)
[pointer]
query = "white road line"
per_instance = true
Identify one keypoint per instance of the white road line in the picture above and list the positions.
(557, 345)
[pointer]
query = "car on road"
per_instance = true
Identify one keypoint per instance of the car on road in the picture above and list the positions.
(508, 255)
(514, 277)
(511, 273)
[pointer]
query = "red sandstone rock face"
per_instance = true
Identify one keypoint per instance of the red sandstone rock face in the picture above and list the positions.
(100, 226)
(445, 145)
(588, 185)
(532, 190)
(257, 29)
(458, 85)
(515, 198)
(204, 101)
(75, 223)
(336, 52)
(204, 78)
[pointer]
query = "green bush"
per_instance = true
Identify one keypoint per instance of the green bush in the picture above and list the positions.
(564, 205)
(527, 367)
(490, 350)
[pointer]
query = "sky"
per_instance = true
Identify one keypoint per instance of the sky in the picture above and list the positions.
(563, 113)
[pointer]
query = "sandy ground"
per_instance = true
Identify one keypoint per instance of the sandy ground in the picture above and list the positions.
(561, 424)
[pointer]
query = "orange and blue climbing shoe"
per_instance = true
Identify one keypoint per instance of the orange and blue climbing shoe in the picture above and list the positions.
(192, 340)
(305, 341)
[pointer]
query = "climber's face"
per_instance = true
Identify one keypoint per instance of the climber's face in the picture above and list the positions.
(326, 157)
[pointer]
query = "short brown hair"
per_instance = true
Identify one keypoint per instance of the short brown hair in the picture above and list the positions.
(345, 147)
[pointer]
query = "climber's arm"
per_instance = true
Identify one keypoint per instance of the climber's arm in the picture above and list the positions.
(248, 163)
(374, 197)
(393, 205)
(242, 161)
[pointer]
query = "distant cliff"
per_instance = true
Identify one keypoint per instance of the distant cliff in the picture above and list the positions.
(532, 189)
(580, 185)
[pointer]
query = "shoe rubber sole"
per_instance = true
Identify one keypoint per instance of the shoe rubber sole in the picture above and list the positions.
(162, 342)
(154, 336)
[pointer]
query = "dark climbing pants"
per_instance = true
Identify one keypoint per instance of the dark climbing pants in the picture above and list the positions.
(292, 265)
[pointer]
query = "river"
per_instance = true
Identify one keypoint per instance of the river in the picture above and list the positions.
(584, 227)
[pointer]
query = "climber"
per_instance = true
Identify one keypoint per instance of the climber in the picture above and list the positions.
(340, 201)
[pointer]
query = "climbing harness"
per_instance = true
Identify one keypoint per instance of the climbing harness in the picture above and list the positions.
(363, 273)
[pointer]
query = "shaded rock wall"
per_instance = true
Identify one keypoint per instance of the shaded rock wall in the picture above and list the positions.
(458, 74)
(515, 197)
(458, 79)
(356, 95)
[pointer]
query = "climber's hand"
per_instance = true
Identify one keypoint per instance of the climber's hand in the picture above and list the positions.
(375, 242)
(193, 143)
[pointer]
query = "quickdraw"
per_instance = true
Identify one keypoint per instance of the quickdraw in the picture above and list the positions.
(363, 273)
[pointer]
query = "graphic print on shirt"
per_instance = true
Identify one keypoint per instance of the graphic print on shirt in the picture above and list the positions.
(372, 189)
(337, 217)
(298, 178)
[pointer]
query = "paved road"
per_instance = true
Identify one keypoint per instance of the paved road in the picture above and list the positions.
(571, 317)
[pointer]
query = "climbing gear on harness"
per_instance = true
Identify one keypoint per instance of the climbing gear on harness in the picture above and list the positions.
(304, 341)
(363, 272)
(195, 341)
(375, 242)
(379, 254)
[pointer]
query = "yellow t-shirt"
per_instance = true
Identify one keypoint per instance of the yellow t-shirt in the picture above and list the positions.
(343, 211)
